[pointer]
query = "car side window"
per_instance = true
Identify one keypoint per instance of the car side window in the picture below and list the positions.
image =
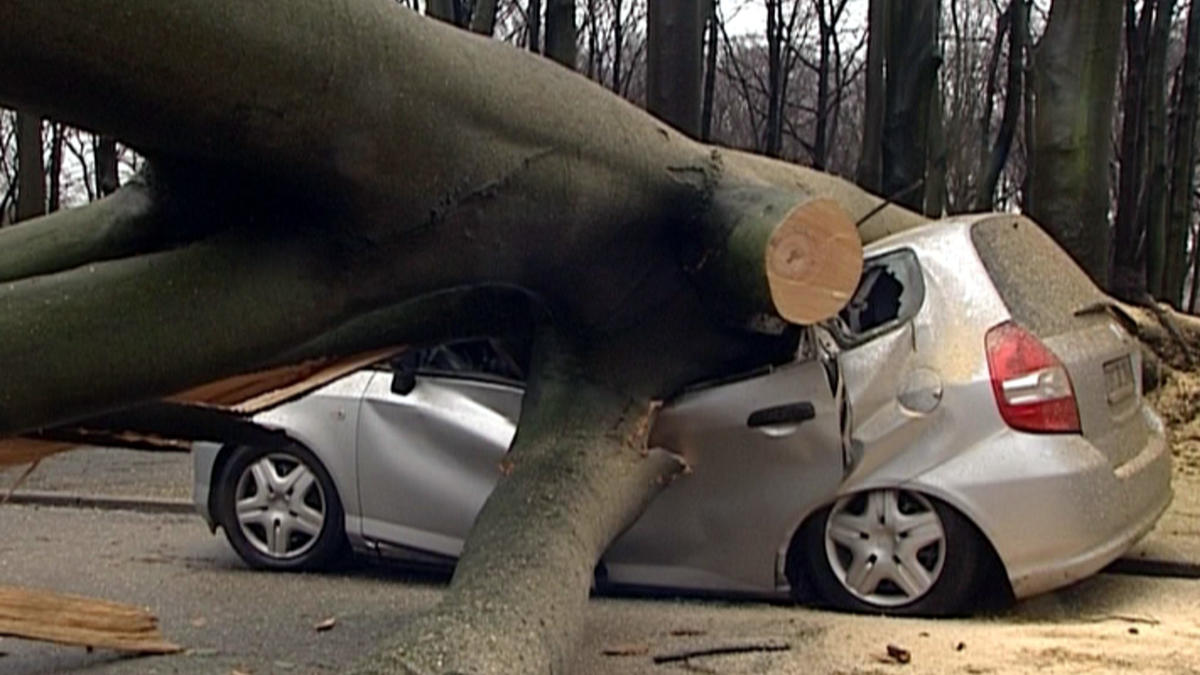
(890, 293)
(478, 359)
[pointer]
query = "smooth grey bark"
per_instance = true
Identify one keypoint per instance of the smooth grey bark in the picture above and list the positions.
(1018, 33)
(1128, 273)
(533, 26)
(710, 72)
(107, 174)
(1155, 195)
(56, 162)
(1075, 69)
(573, 422)
(913, 60)
(31, 173)
(483, 19)
(1183, 165)
(675, 30)
(561, 34)
(870, 162)
(443, 10)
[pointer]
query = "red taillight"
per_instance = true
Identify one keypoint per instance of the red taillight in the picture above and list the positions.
(1032, 387)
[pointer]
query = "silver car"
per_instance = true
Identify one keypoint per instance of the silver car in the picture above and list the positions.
(972, 424)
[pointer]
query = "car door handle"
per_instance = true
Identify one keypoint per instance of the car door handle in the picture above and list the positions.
(788, 414)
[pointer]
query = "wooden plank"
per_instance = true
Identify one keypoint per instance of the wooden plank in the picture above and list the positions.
(76, 620)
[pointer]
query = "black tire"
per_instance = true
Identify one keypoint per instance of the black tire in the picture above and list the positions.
(297, 550)
(959, 568)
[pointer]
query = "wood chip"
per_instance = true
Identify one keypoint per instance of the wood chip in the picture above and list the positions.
(899, 654)
(325, 625)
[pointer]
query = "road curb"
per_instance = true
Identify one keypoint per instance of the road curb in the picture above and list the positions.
(105, 502)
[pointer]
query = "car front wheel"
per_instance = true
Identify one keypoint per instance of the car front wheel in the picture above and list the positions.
(896, 552)
(280, 509)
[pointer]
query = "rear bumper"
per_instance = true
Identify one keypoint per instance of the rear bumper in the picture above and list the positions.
(1054, 507)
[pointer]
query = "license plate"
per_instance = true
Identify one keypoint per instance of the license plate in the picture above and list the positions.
(1118, 379)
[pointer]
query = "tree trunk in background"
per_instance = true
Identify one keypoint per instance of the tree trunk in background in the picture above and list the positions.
(618, 45)
(1183, 164)
(935, 172)
(710, 73)
(561, 34)
(1153, 202)
(870, 160)
(826, 25)
(56, 157)
(483, 20)
(1075, 70)
(1018, 33)
(533, 22)
(31, 171)
(912, 65)
(674, 65)
(1128, 274)
(773, 143)
(108, 179)
(442, 10)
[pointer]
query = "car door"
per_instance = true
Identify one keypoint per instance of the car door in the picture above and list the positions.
(428, 458)
(762, 450)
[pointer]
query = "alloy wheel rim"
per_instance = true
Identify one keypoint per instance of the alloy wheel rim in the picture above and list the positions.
(886, 547)
(280, 506)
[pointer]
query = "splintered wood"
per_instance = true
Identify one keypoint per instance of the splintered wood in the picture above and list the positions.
(17, 451)
(814, 260)
(76, 620)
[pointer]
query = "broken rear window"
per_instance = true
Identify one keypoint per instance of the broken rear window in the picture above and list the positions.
(889, 294)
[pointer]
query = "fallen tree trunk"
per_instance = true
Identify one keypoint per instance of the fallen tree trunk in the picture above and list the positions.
(325, 187)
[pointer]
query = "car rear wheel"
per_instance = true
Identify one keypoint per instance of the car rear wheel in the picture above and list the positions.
(896, 552)
(280, 509)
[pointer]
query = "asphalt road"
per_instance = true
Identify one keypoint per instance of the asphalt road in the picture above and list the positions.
(234, 620)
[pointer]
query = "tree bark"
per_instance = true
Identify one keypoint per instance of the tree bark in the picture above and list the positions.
(1017, 34)
(56, 157)
(1075, 70)
(1155, 194)
(533, 19)
(1129, 268)
(442, 10)
(675, 30)
(870, 162)
(710, 72)
(483, 20)
(31, 172)
(1183, 164)
(912, 65)
(561, 35)
(579, 474)
(773, 143)
(107, 173)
